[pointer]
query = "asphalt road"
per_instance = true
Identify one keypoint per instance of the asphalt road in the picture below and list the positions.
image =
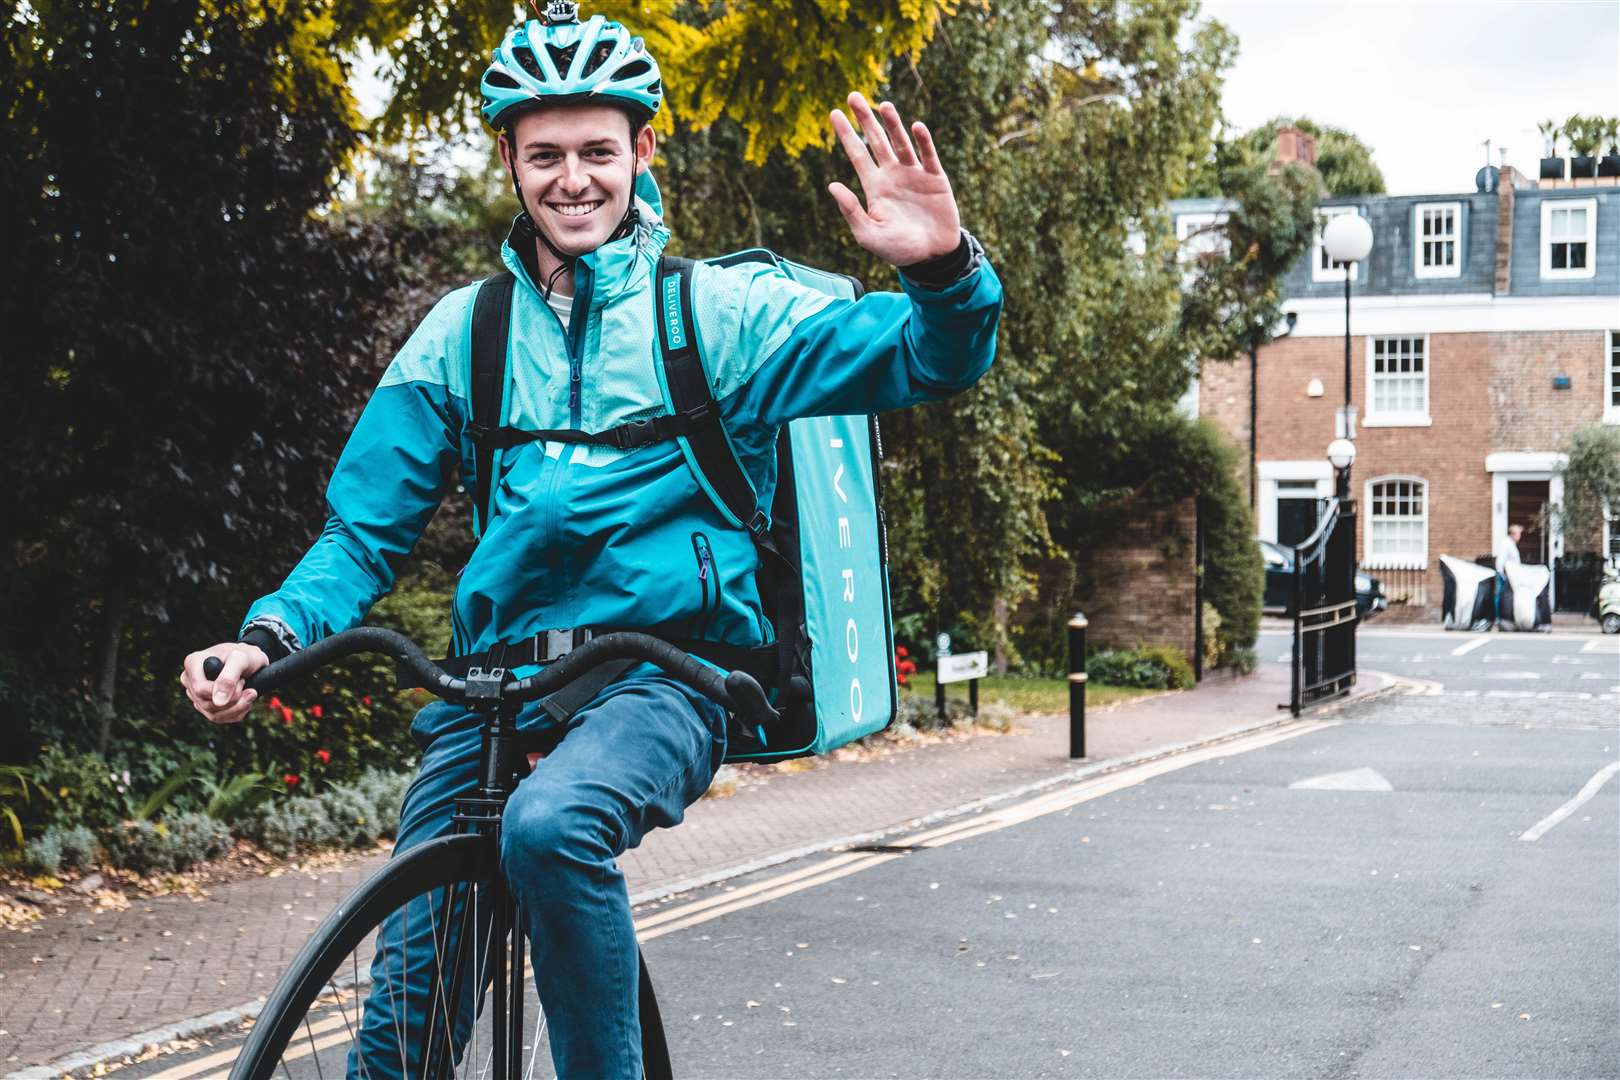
(1209, 922)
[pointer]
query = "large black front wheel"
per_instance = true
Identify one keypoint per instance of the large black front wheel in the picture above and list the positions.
(402, 980)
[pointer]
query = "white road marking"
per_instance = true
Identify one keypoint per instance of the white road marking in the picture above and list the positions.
(1540, 828)
(1593, 675)
(1363, 779)
(1468, 647)
(1514, 675)
(1602, 645)
(1568, 660)
(1564, 695)
(1510, 693)
(1504, 658)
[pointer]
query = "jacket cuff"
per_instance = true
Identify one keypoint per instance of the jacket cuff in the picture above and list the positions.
(943, 271)
(272, 635)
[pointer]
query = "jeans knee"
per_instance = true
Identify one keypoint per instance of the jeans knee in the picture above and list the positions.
(555, 833)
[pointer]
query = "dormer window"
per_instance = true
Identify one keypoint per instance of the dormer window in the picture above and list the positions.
(1322, 267)
(1437, 240)
(1568, 238)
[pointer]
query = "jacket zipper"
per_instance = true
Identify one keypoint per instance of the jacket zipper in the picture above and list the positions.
(706, 574)
(576, 337)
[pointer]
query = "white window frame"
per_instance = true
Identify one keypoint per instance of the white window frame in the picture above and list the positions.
(1611, 378)
(1331, 273)
(1548, 208)
(1403, 561)
(1209, 243)
(1374, 418)
(1455, 238)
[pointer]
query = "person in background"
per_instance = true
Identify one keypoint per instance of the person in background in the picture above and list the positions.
(1507, 554)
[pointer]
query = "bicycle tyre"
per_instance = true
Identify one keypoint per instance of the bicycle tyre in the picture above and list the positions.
(439, 863)
(443, 862)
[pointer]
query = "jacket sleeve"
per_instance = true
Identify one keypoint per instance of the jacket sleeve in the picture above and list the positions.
(887, 350)
(403, 453)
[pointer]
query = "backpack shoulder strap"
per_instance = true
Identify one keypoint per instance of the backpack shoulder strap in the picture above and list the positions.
(720, 473)
(491, 329)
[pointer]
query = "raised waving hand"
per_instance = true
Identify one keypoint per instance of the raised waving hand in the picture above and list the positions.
(910, 213)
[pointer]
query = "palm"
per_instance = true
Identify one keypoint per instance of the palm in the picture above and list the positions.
(910, 214)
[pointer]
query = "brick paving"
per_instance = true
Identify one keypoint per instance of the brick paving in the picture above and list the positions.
(77, 980)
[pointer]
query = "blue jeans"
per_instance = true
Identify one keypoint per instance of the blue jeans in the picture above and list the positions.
(631, 761)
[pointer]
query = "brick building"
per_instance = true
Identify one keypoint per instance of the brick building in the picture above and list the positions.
(1485, 328)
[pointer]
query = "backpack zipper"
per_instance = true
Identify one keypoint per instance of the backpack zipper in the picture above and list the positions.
(706, 574)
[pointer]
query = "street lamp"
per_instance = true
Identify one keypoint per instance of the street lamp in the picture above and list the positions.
(1347, 239)
(1341, 454)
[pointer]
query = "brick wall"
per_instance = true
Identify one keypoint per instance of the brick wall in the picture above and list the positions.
(1527, 412)
(1487, 393)
(1146, 583)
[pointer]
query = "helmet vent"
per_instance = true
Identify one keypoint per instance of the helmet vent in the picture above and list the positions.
(562, 58)
(526, 61)
(656, 88)
(502, 80)
(597, 58)
(632, 69)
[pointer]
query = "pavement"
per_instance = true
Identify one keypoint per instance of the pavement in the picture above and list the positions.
(83, 989)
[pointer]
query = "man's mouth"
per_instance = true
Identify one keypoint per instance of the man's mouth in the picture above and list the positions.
(575, 209)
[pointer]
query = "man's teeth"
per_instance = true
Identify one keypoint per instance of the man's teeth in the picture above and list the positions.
(575, 209)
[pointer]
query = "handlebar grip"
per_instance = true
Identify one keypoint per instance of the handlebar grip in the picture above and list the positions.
(212, 667)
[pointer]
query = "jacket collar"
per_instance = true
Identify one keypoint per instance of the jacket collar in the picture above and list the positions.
(605, 272)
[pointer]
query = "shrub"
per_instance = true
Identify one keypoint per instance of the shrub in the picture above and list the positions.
(345, 815)
(175, 843)
(1150, 667)
(59, 848)
(1243, 660)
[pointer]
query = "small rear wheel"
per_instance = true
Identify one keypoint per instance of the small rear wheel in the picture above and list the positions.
(1611, 623)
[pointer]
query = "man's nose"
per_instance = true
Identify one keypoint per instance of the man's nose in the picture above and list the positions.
(574, 179)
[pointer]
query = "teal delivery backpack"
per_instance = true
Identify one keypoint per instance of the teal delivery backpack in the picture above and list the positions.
(823, 550)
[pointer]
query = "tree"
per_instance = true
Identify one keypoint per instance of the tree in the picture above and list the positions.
(1065, 129)
(774, 69)
(1591, 476)
(1345, 162)
(187, 332)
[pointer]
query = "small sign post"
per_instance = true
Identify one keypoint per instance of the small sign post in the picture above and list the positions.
(962, 667)
(1077, 685)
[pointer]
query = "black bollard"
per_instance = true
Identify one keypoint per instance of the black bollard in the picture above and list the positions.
(1077, 685)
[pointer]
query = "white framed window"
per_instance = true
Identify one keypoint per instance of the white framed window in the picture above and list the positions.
(1397, 523)
(1611, 383)
(1397, 382)
(1323, 268)
(1437, 240)
(1200, 234)
(1568, 238)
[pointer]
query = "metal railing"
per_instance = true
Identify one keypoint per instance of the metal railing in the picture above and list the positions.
(1324, 654)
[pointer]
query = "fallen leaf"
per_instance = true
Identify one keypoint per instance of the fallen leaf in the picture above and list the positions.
(839, 981)
(752, 1005)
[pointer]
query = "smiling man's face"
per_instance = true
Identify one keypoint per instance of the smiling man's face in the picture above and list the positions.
(576, 165)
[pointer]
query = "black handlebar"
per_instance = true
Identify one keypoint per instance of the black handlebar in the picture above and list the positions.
(738, 691)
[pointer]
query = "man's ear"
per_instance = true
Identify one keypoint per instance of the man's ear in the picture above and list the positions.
(646, 144)
(503, 143)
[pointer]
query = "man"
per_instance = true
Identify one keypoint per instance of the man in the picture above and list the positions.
(582, 536)
(1507, 554)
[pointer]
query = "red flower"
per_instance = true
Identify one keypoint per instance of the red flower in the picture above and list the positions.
(906, 667)
(900, 651)
(290, 779)
(286, 715)
(366, 701)
(316, 712)
(324, 755)
(275, 703)
(901, 679)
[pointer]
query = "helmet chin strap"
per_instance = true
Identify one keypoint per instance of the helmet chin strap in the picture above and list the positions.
(565, 261)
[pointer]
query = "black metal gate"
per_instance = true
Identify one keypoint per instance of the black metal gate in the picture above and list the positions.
(1325, 609)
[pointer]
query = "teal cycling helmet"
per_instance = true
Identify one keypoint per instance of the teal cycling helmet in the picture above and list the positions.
(557, 60)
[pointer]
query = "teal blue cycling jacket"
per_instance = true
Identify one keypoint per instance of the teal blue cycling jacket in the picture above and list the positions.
(594, 536)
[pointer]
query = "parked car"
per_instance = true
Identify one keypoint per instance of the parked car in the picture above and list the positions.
(1279, 595)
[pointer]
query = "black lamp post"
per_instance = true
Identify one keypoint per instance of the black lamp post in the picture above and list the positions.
(1347, 239)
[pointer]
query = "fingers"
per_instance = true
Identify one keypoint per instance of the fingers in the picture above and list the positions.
(926, 152)
(230, 679)
(224, 700)
(849, 206)
(854, 148)
(877, 140)
(896, 132)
